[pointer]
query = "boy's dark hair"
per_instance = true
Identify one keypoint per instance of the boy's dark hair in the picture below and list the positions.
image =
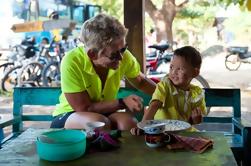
(191, 55)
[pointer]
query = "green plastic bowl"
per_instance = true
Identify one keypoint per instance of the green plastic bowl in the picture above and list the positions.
(61, 145)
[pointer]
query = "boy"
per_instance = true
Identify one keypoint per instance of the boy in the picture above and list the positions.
(175, 97)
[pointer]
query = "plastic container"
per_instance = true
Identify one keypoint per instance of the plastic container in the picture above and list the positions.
(61, 145)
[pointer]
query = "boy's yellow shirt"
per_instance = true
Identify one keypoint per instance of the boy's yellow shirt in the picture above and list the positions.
(78, 75)
(178, 104)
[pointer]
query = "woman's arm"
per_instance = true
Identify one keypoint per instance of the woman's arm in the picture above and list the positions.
(80, 102)
(151, 111)
(143, 83)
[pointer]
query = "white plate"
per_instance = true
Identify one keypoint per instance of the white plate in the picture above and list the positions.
(170, 125)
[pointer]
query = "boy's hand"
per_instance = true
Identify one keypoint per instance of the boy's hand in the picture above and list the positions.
(196, 116)
(137, 131)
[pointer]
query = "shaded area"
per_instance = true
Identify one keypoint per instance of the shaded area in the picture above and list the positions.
(212, 50)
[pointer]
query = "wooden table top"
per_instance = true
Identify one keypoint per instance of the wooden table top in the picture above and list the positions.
(133, 151)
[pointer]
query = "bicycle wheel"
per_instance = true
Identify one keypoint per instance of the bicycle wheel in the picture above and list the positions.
(51, 75)
(202, 82)
(232, 62)
(10, 79)
(5, 67)
(31, 75)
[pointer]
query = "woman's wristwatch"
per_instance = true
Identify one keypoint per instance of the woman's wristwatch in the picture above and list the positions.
(122, 104)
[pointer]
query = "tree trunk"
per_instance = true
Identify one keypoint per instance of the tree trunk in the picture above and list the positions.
(163, 18)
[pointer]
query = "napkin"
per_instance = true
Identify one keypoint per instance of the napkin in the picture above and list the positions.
(195, 144)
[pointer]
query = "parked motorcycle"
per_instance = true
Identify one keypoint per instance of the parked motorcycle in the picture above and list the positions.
(236, 56)
(158, 58)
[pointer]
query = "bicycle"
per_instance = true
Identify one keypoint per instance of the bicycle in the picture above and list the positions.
(236, 56)
(51, 75)
(17, 54)
(28, 71)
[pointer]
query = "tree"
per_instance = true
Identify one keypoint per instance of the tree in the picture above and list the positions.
(192, 22)
(242, 3)
(112, 7)
(163, 17)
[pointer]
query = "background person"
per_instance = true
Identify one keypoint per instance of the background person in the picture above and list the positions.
(91, 75)
(56, 33)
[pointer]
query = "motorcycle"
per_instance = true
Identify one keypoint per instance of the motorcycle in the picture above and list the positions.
(157, 58)
(236, 56)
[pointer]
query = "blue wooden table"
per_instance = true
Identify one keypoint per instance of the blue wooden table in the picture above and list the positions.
(133, 151)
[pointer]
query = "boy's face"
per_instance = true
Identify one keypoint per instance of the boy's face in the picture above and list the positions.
(181, 73)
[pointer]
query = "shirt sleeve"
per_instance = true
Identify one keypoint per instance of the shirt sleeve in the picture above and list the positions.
(198, 99)
(160, 92)
(71, 75)
(132, 67)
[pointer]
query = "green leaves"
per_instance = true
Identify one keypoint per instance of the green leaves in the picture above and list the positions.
(229, 2)
(112, 7)
(188, 13)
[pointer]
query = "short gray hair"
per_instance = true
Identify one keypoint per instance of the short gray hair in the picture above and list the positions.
(101, 30)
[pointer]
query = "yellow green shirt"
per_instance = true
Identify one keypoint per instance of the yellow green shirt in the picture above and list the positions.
(178, 104)
(78, 75)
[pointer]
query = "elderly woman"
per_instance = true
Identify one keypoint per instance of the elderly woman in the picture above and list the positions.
(91, 75)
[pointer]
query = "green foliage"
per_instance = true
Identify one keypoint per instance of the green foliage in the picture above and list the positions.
(238, 22)
(229, 2)
(194, 9)
(203, 3)
(194, 19)
(186, 12)
(112, 7)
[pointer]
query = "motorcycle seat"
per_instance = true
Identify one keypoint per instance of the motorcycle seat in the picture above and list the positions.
(161, 47)
(238, 50)
(246, 55)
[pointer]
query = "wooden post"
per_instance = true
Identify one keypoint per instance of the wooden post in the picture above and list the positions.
(134, 12)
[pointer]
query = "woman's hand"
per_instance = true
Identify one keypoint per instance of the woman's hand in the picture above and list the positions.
(133, 103)
(196, 116)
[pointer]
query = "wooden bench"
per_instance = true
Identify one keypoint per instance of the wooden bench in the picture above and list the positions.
(6, 120)
(238, 137)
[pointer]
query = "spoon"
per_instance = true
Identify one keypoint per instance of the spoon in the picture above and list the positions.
(154, 125)
(46, 139)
